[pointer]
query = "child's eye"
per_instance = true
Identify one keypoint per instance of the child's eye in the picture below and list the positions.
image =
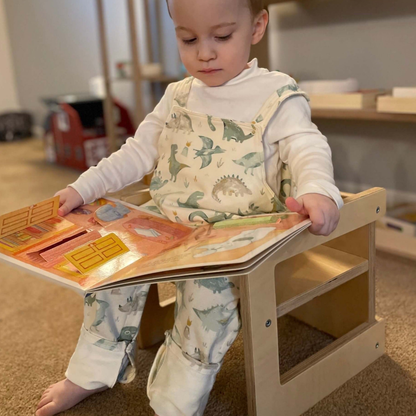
(223, 38)
(188, 41)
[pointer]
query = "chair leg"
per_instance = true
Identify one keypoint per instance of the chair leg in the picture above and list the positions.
(259, 320)
(155, 320)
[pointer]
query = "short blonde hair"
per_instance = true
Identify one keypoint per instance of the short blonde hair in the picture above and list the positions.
(255, 6)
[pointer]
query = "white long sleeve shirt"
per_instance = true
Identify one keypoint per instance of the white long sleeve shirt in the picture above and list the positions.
(290, 136)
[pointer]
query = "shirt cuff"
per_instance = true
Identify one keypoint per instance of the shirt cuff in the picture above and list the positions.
(328, 190)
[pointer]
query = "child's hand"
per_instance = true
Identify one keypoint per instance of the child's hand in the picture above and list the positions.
(321, 210)
(69, 200)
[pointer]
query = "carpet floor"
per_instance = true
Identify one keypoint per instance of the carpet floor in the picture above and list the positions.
(40, 322)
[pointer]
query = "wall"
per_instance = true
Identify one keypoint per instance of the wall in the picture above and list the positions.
(56, 51)
(8, 91)
(372, 41)
(54, 46)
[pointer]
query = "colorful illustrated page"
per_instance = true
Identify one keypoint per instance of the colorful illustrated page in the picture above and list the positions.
(109, 241)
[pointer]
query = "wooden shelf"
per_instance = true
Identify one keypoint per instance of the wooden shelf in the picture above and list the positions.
(313, 273)
(369, 114)
(330, 349)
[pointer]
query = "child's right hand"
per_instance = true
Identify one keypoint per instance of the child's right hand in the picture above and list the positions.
(69, 200)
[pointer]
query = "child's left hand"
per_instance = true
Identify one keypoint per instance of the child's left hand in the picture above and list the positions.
(321, 210)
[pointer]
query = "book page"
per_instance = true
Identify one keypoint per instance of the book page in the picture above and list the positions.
(150, 243)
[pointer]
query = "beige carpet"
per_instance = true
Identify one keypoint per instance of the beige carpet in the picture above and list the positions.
(40, 321)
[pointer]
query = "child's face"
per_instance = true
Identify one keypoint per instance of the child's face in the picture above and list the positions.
(214, 37)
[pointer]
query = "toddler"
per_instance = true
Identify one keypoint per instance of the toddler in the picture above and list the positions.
(231, 121)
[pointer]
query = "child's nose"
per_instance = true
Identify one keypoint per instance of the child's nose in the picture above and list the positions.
(206, 52)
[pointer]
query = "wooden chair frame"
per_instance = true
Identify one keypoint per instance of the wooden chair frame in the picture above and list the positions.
(326, 282)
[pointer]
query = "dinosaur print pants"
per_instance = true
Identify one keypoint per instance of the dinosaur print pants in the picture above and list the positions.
(206, 324)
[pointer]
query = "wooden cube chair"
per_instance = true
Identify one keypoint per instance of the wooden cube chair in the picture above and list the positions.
(325, 282)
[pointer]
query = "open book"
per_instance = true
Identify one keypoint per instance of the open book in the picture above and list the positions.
(111, 243)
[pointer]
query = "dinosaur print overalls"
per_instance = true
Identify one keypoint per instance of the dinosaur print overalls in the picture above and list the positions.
(209, 169)
(212, 168)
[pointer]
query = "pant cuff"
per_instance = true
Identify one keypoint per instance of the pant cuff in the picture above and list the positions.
(179, 385)
(96, 362)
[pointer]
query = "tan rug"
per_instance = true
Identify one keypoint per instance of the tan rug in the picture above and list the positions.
(40, 321)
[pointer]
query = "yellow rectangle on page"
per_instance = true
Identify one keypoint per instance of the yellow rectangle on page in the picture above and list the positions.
(84, 252)
(96, 253)
(25, 217)
(91, 262)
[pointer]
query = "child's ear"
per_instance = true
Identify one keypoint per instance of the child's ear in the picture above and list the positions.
(259, 26)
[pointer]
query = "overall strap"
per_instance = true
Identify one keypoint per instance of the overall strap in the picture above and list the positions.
(272, 103)
(182, 92)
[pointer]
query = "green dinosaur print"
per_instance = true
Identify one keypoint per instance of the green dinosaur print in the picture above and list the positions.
(185, 151)
(216, 285)
(180, 289)
(210, 220)
(100, 313)
(252, 210)
(211, 126)
(106, 344)
(278, 206)
(134, 305)
(215, 318)
(127, 333)
(207, 151)
(157, 182)
(192, 201)
(282, 184)
(89, 299)
(198, 355)
(174, 166)
(180, 121)
(251, 161)
(233, 131)
(159, 199)
(152, 208)
(181, 99)
(288, 87)
(230, 185)
(259, 119)
(285, 183)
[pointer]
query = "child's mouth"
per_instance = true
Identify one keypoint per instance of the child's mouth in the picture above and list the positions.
(210, 71)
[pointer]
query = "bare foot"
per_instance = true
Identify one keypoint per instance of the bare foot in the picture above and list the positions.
(62, 396)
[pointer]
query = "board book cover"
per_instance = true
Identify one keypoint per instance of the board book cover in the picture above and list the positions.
(111, 243)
